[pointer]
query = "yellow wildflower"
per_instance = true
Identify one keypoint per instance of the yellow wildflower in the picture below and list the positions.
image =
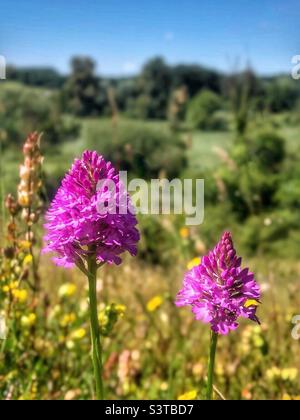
(120, 309)
(67, 319)
(103, 319)
(190, 395)
(27, 260)
(67, 290)
(13, 285)
(154, 303)
(287, 397)
(78, 334)
(20, 295)
(109, 316)
(184, 232)
(289, 374)
(28, 320)
(250, 302)
(193, 263)
(273, 373)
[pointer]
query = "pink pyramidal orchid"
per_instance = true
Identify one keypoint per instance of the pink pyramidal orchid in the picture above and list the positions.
(220, 292)
(80, 233)
(75, 223)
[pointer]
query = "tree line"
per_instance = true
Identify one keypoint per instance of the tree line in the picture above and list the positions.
(152, 93)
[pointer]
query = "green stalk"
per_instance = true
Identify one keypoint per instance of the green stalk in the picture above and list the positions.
(211, 364)
(95, 329)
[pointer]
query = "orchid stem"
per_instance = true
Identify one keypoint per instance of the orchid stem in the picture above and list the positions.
(211, 365)
(95, 329)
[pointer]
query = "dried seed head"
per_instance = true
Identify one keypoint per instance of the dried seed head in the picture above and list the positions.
(30, 178)
(12, 205)
(9, 253)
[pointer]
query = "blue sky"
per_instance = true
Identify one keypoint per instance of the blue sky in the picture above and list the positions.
(121, 35)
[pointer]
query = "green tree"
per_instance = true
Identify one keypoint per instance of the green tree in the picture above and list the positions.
(36, 76)
(83, 93)
(282, 94)
(154, 85)
(202, 110)
(196, 78)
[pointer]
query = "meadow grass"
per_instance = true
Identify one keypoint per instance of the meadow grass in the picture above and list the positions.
(156, 350)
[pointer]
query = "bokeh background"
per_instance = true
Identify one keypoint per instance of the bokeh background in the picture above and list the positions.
(180, 89)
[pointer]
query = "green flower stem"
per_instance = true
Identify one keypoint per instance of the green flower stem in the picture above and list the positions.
(95, 329)
(211, 364)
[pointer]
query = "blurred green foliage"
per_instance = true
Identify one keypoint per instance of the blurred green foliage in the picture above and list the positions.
(282, 94)
(202, 112)
(82, 93)
(253, 178)
(144, 151)
(23, 110)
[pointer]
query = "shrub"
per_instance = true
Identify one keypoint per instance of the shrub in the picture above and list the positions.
(201, 113)
(288, 194)
(253, 184)
(282, 94)
(275, 233)
(268, 149)
(24, 109)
